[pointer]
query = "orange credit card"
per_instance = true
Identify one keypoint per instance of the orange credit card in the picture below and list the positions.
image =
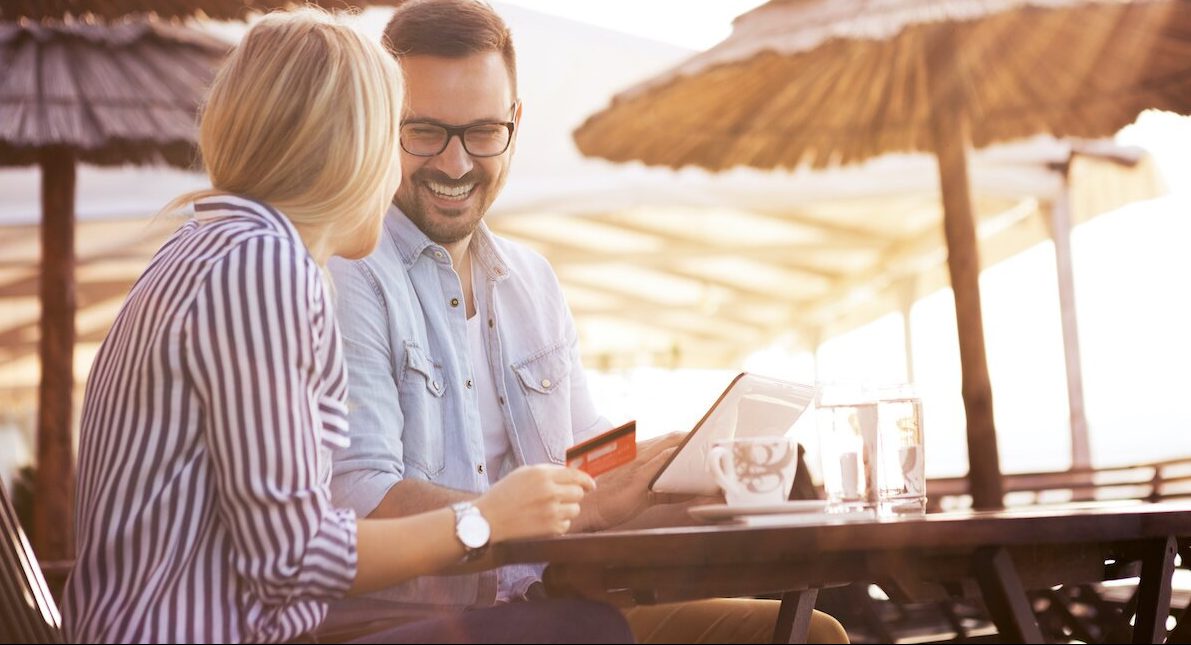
(603, 453)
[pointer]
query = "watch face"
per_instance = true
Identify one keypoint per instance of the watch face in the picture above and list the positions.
(473, 530)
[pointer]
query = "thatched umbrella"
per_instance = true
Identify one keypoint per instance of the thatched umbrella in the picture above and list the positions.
(120, 94)
(119, 9)
(824, 82)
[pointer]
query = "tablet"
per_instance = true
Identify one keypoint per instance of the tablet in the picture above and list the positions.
(751, 406)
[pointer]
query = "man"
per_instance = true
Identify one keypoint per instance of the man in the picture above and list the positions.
(462, 355)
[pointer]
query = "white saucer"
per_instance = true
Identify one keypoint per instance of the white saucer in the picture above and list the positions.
(714, 512)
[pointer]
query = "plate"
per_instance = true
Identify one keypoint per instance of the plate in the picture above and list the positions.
(719, 512)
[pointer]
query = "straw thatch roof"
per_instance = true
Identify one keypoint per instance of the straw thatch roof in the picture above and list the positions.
(801, 81)
(124, 93)
(112, 9)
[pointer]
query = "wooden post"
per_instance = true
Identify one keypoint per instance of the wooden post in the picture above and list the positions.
(909, 295)
(1060, 232)
(53, 508)
(950, 133)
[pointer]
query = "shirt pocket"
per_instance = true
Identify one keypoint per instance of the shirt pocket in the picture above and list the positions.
(420, 388)
(422, 370)
(545, 379)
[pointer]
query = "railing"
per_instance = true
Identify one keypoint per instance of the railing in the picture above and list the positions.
(1154, 481)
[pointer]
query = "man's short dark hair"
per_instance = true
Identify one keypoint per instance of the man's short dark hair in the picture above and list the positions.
(450, 29)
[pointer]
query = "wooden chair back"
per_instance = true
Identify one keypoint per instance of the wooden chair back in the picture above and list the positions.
(28, 613)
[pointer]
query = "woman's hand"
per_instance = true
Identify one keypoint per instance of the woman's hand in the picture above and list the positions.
(534, 501)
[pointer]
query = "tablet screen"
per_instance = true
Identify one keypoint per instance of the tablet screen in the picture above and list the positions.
(751, 406)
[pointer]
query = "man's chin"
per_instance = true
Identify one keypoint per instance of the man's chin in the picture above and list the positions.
(447, 229)
(444, 225)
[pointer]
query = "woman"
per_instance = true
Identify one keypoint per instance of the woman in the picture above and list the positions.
(203, 508)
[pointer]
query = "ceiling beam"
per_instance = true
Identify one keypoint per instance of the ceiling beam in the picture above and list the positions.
(784, 255)
(564, 255)
(657, 315)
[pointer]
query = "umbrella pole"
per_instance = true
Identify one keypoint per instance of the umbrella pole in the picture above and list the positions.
(1060, 231)
(950, 133)
(53, 510)
(963, 263)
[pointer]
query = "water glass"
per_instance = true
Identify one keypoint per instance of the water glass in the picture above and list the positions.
(847, 422)
(901, 471)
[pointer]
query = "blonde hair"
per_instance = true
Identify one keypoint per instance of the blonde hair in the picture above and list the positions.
(304, 115)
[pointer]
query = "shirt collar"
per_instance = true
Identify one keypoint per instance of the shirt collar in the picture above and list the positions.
(412, 244)
(215, 205)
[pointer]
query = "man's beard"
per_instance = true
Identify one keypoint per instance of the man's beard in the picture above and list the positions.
(445, 225)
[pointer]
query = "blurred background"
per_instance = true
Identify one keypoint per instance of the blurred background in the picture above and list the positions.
(681, 279)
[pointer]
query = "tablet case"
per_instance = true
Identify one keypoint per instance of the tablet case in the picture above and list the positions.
(751, 406)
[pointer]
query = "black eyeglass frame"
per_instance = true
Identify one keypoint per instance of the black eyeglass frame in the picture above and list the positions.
(458, 131)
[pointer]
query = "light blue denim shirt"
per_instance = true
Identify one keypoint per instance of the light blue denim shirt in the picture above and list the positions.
(412, 410)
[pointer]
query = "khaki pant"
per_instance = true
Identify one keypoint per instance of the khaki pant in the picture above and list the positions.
(722, 620)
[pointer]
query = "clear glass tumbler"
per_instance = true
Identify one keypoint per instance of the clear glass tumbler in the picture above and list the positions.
(901, 468)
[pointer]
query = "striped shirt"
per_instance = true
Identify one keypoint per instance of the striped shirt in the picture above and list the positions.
(203, 510)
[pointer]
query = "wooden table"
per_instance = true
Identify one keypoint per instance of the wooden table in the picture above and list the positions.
(1000, 553)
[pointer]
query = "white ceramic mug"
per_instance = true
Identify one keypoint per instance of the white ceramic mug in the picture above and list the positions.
(754, 471)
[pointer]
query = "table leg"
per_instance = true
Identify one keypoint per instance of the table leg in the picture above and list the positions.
(1153, 591)
(794, 618)
(1004, 596)
(1182, 630)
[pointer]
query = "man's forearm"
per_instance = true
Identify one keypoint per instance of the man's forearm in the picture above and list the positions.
(589, 517)
(413, 496)
(665, 515)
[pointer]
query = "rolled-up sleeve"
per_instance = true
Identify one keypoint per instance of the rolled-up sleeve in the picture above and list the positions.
(364, 471)
(252, 356)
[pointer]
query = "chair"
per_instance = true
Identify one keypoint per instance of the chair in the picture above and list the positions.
(28, 613)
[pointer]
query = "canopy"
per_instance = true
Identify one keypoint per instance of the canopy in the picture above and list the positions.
(644, 254)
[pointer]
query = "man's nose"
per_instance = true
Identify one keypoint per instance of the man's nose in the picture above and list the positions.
(454, 160)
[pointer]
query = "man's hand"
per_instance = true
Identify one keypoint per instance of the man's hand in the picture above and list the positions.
(624, 492)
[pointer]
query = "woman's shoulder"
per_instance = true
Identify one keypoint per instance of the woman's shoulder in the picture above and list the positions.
(250, 215)
(239, 228)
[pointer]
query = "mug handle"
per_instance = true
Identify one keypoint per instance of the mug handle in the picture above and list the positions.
(715, 458)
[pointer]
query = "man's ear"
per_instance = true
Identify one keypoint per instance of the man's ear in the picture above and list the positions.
(517, 115)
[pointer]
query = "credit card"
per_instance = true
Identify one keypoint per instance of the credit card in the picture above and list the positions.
(603, 453)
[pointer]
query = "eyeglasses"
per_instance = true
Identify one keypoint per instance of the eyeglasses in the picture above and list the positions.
(429, 139)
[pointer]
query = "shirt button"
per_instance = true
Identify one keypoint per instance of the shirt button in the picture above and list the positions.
(469, 384)
(454, 302)
(480, 469)
(435, 384)
(501, 400)
(438, 254)
(545, 382)
(490, 323)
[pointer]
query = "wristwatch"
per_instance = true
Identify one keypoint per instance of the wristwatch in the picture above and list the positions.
(472, 529)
